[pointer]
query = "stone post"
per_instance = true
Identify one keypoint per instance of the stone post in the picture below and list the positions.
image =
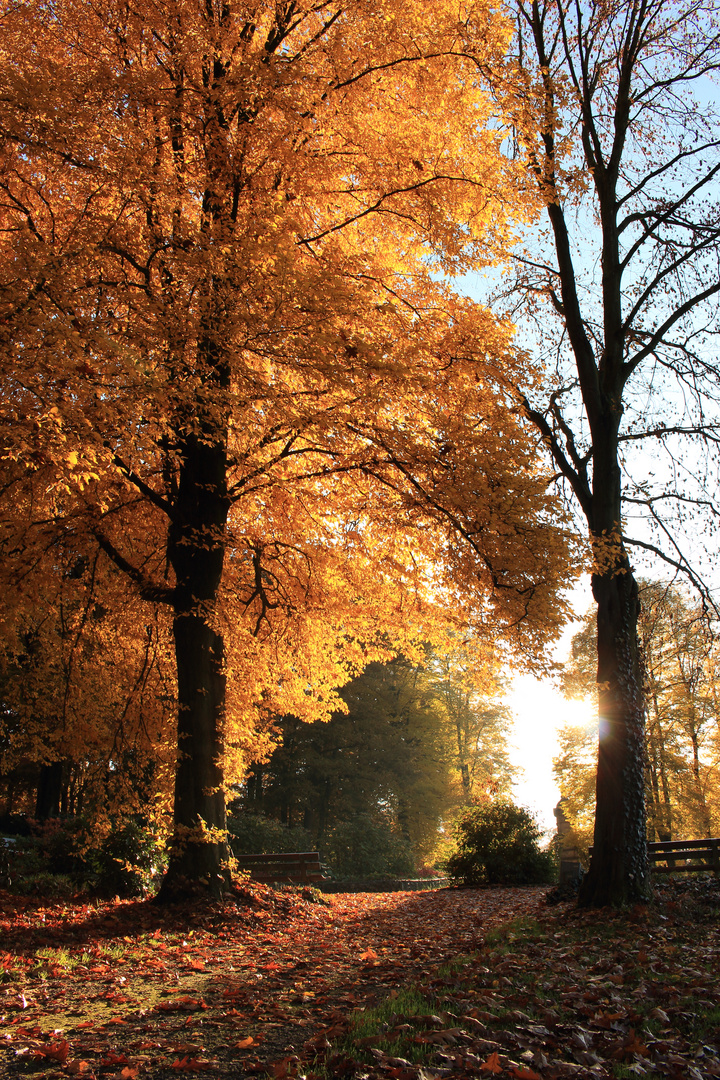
(569, 858)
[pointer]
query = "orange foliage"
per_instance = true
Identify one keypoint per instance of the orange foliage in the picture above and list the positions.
(228, 357)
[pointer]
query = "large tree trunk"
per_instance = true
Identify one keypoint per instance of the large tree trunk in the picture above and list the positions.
(200, 855)
(618, 870)
(199, 859)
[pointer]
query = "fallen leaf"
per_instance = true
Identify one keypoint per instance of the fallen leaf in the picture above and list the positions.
(78, 1068)
(57, 1051)
(112, 1058)
(492, 1064)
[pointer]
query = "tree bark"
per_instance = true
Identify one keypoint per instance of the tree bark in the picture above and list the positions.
(49, 790)
(200, 855)
(618, 871)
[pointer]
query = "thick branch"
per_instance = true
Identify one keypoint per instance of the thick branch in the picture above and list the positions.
(149, 590)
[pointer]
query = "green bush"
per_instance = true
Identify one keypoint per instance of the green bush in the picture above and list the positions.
(366, 848)
(497, 844)
(251, 834)
(125, 863)
(129, 862)
(55, 886)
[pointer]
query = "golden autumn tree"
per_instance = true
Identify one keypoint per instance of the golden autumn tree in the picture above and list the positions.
(87, 696)
(227, 361)
(469, 689)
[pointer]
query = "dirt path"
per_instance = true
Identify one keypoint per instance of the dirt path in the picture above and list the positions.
(129, 991)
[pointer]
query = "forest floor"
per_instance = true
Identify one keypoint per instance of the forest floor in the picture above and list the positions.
(404, 986)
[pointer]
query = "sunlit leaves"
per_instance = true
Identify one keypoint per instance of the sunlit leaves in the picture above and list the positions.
(229, 359)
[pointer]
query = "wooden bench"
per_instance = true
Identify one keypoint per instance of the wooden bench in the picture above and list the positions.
(683, 856)
(296, 867)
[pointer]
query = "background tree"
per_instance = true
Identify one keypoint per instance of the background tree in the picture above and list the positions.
(206, 321)
(681, 768)
(574, 769)
(615, 112)
(391, 757)
(471, 698)
(680, 662)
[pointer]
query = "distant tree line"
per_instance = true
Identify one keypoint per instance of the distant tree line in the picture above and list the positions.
(682, 720)
(413, 745)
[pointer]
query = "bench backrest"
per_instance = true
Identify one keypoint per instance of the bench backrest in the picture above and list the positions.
(288, 866)
(683, 856)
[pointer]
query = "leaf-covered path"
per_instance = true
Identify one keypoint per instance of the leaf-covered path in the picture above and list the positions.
(125, 989)
(461, 984)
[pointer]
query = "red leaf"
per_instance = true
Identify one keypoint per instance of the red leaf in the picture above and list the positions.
(111, 1058)
(57, 1051)
(285, 1067)
(492, 1064)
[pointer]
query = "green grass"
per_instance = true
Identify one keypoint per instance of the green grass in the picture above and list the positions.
(114, 952)
(626, 1072)
(58, 958)
(380, 1024)
(405, 1003)
(506, 938)
(704, 1019)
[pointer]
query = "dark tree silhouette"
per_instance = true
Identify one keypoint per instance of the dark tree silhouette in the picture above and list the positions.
(615, 108)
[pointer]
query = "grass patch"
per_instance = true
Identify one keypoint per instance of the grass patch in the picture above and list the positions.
(506, 938)
(57, 958)
(394, 1026)
(114, 952)
(405, 1004)
(456, 967)
(705, 1020)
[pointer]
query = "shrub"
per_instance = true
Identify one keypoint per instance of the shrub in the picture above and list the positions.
(124, 863)
(497, 844)
(129, 861)
(55, 886)
(365, 848)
